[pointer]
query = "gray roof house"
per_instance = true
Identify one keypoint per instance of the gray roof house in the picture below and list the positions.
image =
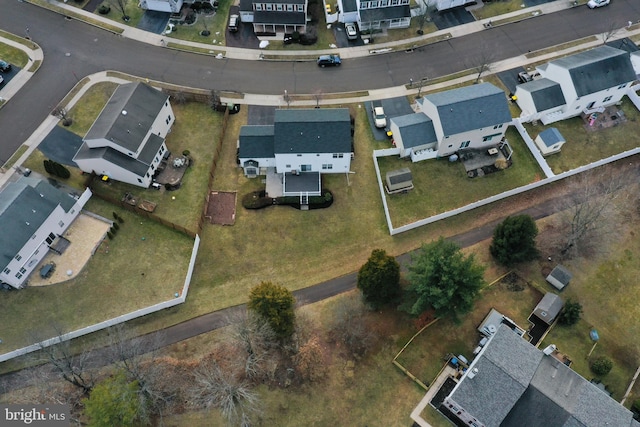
(33, 214)
(549, 141)
(277, 17)
(475, 116)
(383, 14)
(589, 80)
(300, 145)
(127, 140)
(511, 383)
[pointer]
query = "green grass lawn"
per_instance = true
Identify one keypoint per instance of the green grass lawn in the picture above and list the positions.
(441, 185)
(113, 282)
(583, 146)
(12, 55)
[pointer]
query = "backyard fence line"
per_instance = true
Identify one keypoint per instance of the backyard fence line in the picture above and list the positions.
(181, 298)
(492, 199)
(405, 370)
(384, 153)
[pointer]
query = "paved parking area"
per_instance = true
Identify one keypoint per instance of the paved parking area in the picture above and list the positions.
(244, 37)
(61, 145)
(260, 114)
(393, 107)
(509, 78)
(452, 18)
(153, 21)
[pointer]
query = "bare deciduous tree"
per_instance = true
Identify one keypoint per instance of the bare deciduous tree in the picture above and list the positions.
(62, 113)
(427, 7)
(310, 361)
(257, 342)
(215, 387)
(121, 5)
(349, 325)
(612, 29)
(482, 63)
(592, 210)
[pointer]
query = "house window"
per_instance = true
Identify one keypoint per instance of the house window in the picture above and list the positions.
(73, 211)
(50, 238)
(404, 2)
(607, 99)
(23, 270)
(6, 270)
(33, 237)
(279, 7)
(489, 137)
(384, 3)
(622, 86)
(305, 168)
(269, 7)
(289, 8)
(19, 275)
(61, 223)
(299, 8)
(18, 257)
(139, 180)
(497, 127)
(327, 166)
(258, 7)
(465, 144)
(338, 155)
(394, 2)
(299, 155)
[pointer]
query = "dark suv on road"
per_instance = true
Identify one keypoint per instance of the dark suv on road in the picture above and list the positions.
(329, 61)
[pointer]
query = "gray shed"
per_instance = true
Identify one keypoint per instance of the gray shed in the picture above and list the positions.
(559, 277)
(548, 308)
(399, 180)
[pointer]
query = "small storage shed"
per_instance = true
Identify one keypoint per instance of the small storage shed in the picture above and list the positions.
(550, 141)
(399, 180)
(548, 308)
(559, 277)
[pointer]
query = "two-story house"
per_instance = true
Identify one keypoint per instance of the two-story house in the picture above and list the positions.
(33, 217)
(473, 117)
(275, 17)
(582, 83)
(127, 140)
(300, 143)
(382, 14)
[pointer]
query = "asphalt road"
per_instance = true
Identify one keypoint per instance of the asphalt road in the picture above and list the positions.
(73, 50)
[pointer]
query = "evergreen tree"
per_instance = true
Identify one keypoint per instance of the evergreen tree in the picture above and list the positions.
(514, 240)
(379, 279)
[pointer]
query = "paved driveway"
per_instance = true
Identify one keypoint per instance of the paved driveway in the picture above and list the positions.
(393, 107)
(260, 115)
(11, 74)
(244, 37)
(61, 145)
(510, 78)
(451, 18)
(153, 21)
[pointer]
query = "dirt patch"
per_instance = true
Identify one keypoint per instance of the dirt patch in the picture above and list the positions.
(221, 207)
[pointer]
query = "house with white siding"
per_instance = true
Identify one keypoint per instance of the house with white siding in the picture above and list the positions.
(301, 144)
(127, 140)
(33, 217)
(586, 82)
(383, 14)
(172, 6)
(275, 17)
(470, 117)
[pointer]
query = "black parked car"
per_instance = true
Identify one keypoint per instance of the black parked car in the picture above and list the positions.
(5, 67)
(329, 60)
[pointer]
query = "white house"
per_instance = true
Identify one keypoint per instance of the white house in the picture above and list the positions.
(582, 83)
(549, 141)
(33, 217)
(413, 133)
(127, 140)
(301, 144)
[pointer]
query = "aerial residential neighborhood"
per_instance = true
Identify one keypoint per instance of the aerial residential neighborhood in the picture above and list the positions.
(320, 213)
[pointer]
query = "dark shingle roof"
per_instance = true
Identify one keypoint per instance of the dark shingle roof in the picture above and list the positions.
(384, 13)
(256, 142)
(24, 206)
(415, 129)
(315, 130)
(546, 94)
(271, 17)
(349, 6)
(112, 156)
(598, 69)
(142, 104)
(470, 107)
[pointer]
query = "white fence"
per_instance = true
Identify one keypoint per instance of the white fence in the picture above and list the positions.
(488, 200)
(179, 299)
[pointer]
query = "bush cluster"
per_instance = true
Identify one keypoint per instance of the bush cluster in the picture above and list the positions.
(56, 169)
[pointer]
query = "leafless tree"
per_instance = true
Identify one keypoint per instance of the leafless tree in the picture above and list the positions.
(257, 344)
(592, 209)
(612, 29)
(135, 355)
(482, 63)
(121, 5)
(318, 96)
(62, 113)
(309, 361)
(427, 7)
(218, 388)
(75, 368)
(349, 325)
